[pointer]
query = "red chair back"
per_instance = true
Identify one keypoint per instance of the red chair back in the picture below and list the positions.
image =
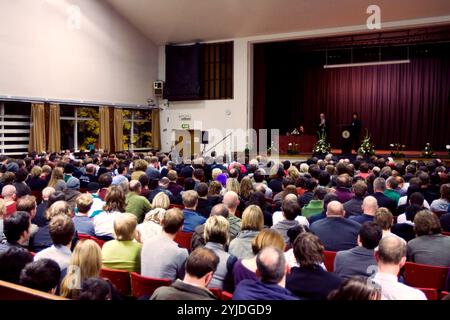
(430, 293)
(425, 276)
(226, 296)
(445, 233)
(184, 239)
(443, 294)
(82, 236)
(120, 279)
(144, 286)
(217, 292)
(329, 260)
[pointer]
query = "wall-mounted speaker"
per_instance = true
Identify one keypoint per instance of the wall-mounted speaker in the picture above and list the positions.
(158, 88)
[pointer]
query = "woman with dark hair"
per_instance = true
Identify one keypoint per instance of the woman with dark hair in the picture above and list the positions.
(259, 199)
(356, 288)
(405, 226)
(310, 280)
(95, 289)
(104, 221)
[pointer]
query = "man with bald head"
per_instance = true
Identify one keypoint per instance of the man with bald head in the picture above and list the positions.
(135, 203)
(231, 201)
(271, 271)
(391, 257)
(369, 207)
(9, 195)
(335, 231)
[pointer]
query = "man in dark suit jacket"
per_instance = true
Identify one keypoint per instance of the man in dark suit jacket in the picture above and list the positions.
(379, 186)
(335, 231)
(360, 261)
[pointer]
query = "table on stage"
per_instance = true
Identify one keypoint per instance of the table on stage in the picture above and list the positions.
(300, 143)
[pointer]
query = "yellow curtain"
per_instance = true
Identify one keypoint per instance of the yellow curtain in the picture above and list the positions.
(54, 132)
(118, 130)
(104, 137)
(156, 137)
(37, 131)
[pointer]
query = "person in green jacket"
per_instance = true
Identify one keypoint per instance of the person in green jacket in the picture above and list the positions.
(135, 203)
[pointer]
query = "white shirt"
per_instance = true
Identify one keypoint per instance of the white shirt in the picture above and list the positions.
(402, 202)
(97, 205)
(402, 219)
(148, 229)
(391, 289)
(278, 216)
(60, 254)
(104, 223)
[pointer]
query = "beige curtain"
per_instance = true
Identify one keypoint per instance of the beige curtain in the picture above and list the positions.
(54, 132)
(118, 130)
(104, 137)
(156, 137)
(37, 131)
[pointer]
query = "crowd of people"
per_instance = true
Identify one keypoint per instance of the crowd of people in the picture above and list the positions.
(259, 229)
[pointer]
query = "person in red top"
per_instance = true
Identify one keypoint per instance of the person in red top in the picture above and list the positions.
(9, 195)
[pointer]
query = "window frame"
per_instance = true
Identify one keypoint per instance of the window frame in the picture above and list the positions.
(75, 118)
(3, 124)
(132, 119)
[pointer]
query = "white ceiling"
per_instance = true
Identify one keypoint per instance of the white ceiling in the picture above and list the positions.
(178, 21)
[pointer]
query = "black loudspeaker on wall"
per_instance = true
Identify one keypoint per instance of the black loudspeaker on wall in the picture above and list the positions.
(158, 88)
(205, 138)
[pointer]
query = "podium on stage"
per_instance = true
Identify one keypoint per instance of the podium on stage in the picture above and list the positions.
(346, 140)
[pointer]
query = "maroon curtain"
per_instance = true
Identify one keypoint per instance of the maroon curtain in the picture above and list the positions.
(406, 103)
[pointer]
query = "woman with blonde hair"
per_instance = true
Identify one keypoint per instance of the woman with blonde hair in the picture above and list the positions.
(293, 173)
(233, 185)
(86, 262)
(246, 268)
(252, 223)
(123, 253)
(246, 188)
(152, 223)
(57, 179)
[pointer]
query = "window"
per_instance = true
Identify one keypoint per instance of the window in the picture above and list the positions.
(216, 63)
(80, 127)
(15, 123)
(137, 129)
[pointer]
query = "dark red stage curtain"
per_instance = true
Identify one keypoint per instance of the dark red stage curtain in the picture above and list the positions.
(406, 103)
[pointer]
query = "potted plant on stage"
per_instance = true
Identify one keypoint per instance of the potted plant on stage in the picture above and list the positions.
(428, 151)
(322, 146)
(292, 148)
(397, 150)
(366, 149)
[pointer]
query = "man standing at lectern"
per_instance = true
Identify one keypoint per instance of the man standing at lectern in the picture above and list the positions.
(355, 128)
(324, 126)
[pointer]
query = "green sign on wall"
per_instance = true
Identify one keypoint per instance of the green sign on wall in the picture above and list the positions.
(185, 126)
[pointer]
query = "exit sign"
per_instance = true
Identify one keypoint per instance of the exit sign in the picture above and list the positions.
(185, 126)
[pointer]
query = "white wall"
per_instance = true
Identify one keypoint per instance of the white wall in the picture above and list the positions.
(211, 114)
(42, 55)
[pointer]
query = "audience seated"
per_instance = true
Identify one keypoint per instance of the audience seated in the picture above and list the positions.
(315, 206)
(83, 224)
(9, 196)
(355, 289)
(191, 218)
(198, 237)
(123, 253)
(200, 268)
(430, 247)
(39, 219)
(135, 203)
(231, 201)
(310, 280)
(391, 257)
(17, 231)
(152, 221)
(246, 268)
(326, 200)
(379, 187)
(85, 262)
(343, 188)
(258, 198)
(291, 209)
(360, 260)
(278, 215)
(271, 271)
(115, 205)
(391, 189)
(95, 289)
(369, 207)
(171, 258)
(441, 205)
(385, 219)
(42, 275)
(72, 191)
(335, 231)
(203, 205)
(252, 224)
(12, 261)
(22, 189)
(308, 195)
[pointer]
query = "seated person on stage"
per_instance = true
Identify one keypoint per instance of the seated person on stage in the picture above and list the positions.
(200, 268)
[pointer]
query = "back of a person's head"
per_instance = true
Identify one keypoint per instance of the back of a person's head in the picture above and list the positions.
(26, 203)
(58, 208)
(324, 178)
(265, 238)
(173, 220)
(84, 202)
(310, 184)
(12, 261)
(8, 191)
(360, 189)
(217, 230)
(384, 218)
(190, 198)
(54, 197)
(391, 250)
(95, 289)
(308, 250)
(61, 229)
(426, 223)
(355, 288)
(201, 262)
(42, 275)
(220, 210)
(291, 209)
(329, 197)
(293, 232)
(370, 235)
(202, 189)
(335, 209)
(105, 180)
(379, 184)
(15, 225)
(417, 199)
(271, 265)
(252, 218)
(231, 199)
(125, 227)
